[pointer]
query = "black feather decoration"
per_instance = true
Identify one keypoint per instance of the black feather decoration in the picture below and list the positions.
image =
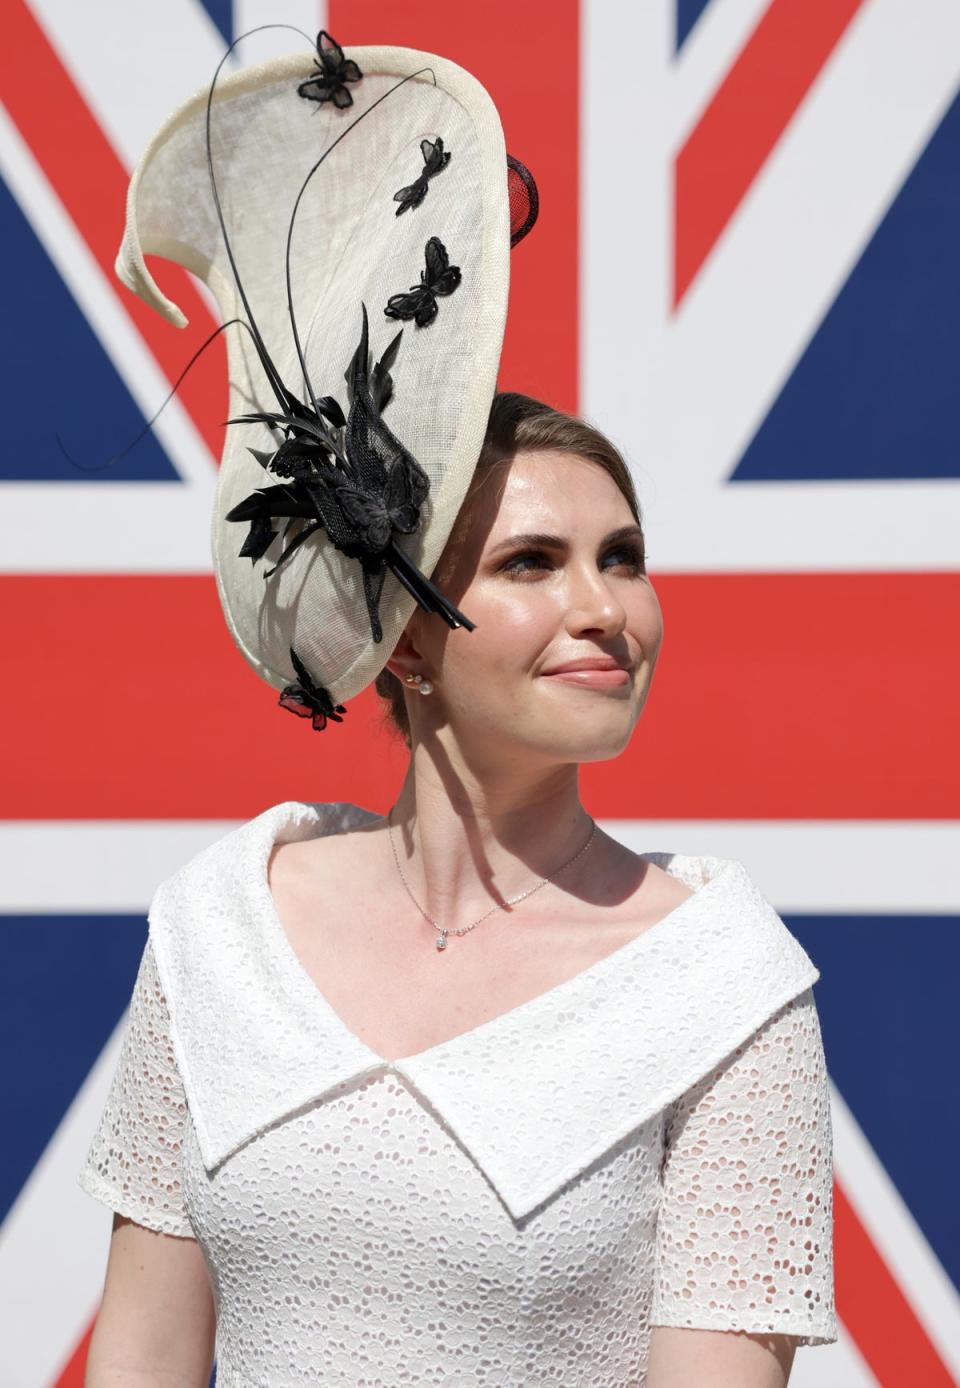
(354, 479)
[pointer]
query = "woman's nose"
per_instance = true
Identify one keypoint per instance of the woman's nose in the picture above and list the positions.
(593, 604)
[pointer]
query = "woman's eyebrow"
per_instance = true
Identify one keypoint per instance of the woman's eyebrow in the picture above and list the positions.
(544, 541)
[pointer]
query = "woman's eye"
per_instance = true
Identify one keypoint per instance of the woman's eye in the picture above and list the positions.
(629, 556)
(516, 564)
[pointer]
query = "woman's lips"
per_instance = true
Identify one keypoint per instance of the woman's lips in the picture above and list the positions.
(593, 679)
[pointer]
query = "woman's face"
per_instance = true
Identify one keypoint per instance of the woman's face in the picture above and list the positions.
(537, 605)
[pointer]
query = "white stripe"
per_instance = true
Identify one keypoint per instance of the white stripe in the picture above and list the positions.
(101, 525)
(847, 867)
(101, 865)
(624, 212)
(684, 396)
(54, 1244)
(896, 1234)
(106, 528)
(855, 867)
(710, 50)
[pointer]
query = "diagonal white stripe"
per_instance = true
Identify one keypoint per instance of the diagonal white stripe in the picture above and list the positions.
(774, 274)
(804, 866)
(685, 395)
(832, 1366)
(896, 1234)
(53, 1245)
(132, 64)
(134, 67)
(109, 526)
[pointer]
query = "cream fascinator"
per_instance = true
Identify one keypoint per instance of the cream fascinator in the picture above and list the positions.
(353, 216)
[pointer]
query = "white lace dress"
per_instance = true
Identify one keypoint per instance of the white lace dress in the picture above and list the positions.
(648, 1143)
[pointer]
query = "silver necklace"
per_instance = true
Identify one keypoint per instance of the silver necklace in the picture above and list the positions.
(441, 941)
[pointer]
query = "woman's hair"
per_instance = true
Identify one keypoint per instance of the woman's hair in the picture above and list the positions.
(518, 423)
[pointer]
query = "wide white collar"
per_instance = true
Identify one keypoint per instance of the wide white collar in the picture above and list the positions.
(535, 1095)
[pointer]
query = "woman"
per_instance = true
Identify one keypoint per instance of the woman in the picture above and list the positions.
(471, 1093)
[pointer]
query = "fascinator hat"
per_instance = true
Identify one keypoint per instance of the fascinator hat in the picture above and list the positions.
(353, 215)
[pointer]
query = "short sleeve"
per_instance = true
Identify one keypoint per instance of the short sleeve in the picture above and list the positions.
(133, 1165)
(745, 1229)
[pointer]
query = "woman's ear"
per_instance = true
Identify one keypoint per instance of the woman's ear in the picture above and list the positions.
(406, 658)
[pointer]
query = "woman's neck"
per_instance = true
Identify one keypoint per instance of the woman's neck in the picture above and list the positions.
(466, 843)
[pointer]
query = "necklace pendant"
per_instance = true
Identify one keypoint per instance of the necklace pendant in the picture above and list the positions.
(442, 940)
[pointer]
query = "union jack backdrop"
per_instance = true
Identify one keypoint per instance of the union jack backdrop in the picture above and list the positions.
(746, 271)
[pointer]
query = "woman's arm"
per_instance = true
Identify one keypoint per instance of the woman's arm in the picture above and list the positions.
(157, 1324)
(718, 1359)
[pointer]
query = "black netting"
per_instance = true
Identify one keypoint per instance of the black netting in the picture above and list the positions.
(524, 199)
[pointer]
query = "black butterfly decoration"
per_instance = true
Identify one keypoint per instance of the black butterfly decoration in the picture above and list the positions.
(326, 83)
(435, 158)
(439, 277)
(309, 700)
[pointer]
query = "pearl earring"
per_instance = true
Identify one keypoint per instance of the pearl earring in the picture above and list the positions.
(424, 686)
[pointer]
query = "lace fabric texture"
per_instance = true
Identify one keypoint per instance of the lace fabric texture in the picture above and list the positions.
(134, 1161)
(355, 1240)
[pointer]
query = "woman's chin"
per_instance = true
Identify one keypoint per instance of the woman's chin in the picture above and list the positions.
(591, 735)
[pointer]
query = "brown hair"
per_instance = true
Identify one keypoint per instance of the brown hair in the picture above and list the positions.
(518, 423)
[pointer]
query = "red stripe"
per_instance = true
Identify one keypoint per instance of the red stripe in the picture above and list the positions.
(746, 117)
(875, 1311)
(530, 67)
(73, 1373)
(91, 183)
(800, 696)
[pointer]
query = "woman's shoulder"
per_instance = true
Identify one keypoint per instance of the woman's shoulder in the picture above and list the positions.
(663, 880)
(693, 869)
(218, 903)
(730, 908)
(287, 822)
(336, 850)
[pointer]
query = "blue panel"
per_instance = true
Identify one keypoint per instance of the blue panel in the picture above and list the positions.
(59, 377)
(887, 999)
(875, 393)
(688, 12)
(221, 12)
(64, 985)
